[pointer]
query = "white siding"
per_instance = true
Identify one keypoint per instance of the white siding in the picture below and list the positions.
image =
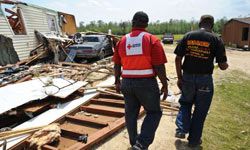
(34, 19)
(4, 27)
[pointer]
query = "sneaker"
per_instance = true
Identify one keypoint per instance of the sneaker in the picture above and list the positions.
(180, 135)
(138, 146)
(195, 145)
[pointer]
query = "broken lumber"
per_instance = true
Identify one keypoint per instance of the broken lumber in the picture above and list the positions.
(170, 108)
(111, 93)
(26, 78)
(165, 103)
(96, 87)
(14, 133)
(74, 64)
(36, 57)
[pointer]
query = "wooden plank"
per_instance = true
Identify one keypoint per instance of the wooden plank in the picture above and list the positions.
(174, 104)
(102, 134)
(36, 108)
(111, 93)
(109, 96)
(110, 90)
(26, 78)
(74, 64)
(11, 12)
(116, 113)
(48, 147)
(86, 120)
(170, 108)
(109, 102)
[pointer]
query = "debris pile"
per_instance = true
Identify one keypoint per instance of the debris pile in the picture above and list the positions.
(77, 72)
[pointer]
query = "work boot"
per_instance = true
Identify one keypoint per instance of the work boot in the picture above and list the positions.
(138, 146)
(180, 135)
(195, 145)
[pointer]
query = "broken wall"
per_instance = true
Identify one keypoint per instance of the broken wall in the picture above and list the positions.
(5, 28)
(34, 18)
(67, 23)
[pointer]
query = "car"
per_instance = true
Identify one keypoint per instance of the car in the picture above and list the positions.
(168, 38)
(91, 46)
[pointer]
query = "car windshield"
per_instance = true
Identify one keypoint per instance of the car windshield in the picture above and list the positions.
(90, 39)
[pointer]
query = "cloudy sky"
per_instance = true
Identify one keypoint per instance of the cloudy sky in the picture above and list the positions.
(163, 10)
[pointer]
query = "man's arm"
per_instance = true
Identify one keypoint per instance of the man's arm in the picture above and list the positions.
(117, 70)
(117, 67)
(220, 55)
(160, 71)
(178, 64)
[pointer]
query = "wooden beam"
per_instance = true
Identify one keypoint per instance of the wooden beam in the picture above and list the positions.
(105, 95)
(75, 64)
(110, 90)
(96, 87)
(116, 113)
(11, 12)
(109, 102)
(48, 147)
(102, 134)
(170, 108)
(37, 107)
(26, 78)
(111, 93)
(165, 103)
(86, 120)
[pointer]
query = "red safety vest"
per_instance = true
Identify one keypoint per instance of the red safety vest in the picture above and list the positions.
(136, 56)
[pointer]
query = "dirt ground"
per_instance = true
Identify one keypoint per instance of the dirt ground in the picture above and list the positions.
(164, 138)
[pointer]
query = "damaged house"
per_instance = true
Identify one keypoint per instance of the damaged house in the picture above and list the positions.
(19, 20)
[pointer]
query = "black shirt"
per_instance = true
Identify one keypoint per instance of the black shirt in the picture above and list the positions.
(199, 48)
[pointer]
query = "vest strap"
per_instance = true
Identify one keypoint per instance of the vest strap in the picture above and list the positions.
(138, 72)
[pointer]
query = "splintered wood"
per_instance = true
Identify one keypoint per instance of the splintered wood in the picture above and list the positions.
(74, 71)
(46, 135)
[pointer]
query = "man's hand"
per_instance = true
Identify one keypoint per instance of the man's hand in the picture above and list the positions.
(118, 87)
(223, 66)
(179, 83)
(164, 91)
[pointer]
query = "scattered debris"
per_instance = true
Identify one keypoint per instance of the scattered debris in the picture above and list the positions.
(44, 136)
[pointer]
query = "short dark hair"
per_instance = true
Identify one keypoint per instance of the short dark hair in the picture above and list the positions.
(206, 20)
(140, 19)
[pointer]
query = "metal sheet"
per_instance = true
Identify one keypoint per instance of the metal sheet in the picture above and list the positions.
(55, 113)
(15, 95)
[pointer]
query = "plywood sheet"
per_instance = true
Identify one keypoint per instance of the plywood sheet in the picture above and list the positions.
(18, 94)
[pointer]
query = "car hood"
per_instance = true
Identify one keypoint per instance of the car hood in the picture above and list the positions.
(87, 44)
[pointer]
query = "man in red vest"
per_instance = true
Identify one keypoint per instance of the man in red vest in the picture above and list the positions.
(139, 57)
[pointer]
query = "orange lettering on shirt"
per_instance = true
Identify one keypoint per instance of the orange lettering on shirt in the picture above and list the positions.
(198, 43)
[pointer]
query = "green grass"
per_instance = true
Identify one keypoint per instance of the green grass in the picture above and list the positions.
(228, 124)
(178, 36)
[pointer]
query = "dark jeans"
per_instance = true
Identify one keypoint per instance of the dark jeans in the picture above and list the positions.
(141, 92)
(197, 90)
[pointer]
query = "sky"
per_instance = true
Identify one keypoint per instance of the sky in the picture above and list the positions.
(162, 10)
